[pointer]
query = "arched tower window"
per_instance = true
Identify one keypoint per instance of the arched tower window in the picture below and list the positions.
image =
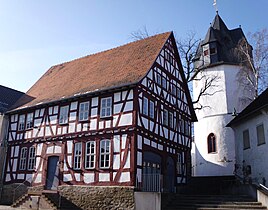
(212, 143)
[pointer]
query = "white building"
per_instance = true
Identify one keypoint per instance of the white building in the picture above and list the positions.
(251, 133)
(213, 150)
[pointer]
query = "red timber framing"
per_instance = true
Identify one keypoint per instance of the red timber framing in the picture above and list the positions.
(108, 138)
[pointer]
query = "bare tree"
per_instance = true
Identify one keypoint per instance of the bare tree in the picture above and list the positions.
(187, 49)
(254, 61)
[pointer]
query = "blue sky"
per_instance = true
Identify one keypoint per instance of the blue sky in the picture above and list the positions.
(37, 34)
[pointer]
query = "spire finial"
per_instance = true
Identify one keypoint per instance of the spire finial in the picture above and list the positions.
(215, 5)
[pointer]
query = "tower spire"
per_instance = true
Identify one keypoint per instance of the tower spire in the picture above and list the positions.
(215, 5)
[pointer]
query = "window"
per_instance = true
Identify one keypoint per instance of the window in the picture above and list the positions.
(31, 159)
(170, 118)
(90, 154)
(23, 156)
(145, 106)
(212, 51)
(206, 52)
(187, 128)
(179, 163)
(165, 117)
(83, 111)
(179, 93)
(164, 82)
(211, 143)
(29, 121)
(106, 107)
(21, 122)
(173, 89)
(77, 155)
(105, 150)
(151, 113)
(260, 134)
(63, 115)
(246, 141)
(158, 79)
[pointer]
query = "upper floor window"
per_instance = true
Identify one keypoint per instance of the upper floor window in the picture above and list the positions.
(77, 155)
(29, 121)
(63, 115)
(90, 155)
(23, 157)
(105, 152)
(21, 123)
(31, 159)
(173, 89)
(83, 111)
(106, 107)
(164, 82)
(151, 109)
(165, 117)
(158, 79)
(145, 106)
(260, 134)
(170, 119)
(246, 140)
(211, 143)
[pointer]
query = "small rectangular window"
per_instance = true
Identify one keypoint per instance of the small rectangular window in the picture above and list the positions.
(212, 51)
(145, 106)
(170, 117)
(246, 140)
(106, 107)
(21, 123)
(23, 157)
(260, 134)
(63, 119)
(151, 109)
(77, 155)
(105, 150)
(179, 93)
(158, 79)
(31, 159)
(83, 111)
(165, 117)
(90, 155)
(173, 89)
(29, 121)
(164, 82)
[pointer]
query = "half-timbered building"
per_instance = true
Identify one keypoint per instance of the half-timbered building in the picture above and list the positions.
(114, 118)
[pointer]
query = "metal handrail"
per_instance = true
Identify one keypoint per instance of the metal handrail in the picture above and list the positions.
(23, 183)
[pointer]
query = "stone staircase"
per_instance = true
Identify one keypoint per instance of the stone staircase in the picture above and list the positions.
(211, 193)
(211, 202)
(45, 200)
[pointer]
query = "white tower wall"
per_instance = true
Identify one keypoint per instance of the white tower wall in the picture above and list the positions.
(226, 94)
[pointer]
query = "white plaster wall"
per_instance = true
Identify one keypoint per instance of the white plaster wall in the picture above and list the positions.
(256, 156)
(228, 93)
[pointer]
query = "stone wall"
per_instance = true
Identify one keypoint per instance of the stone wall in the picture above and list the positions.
(95, 198)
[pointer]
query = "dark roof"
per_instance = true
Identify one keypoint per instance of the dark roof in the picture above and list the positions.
(259, 103)
(226, 40)
(120, 66)
(8, 97)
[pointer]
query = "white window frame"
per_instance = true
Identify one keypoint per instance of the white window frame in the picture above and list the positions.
(63, 118)
(165, 117)
(151, 109)
(77, 155)
(21, 125)
(23, 158)
(105, 153)
(90, 155)
(29, 121)
(83, 111)
(31, 158)
(106, 107)
(145, 106)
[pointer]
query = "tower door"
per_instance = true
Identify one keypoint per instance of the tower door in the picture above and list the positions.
(52, 180)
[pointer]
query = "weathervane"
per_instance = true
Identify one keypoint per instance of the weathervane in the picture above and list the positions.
(215, 5)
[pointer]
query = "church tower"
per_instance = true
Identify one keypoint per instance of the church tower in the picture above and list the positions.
(217, 60)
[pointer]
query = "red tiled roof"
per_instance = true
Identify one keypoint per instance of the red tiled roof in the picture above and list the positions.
(120, 66)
